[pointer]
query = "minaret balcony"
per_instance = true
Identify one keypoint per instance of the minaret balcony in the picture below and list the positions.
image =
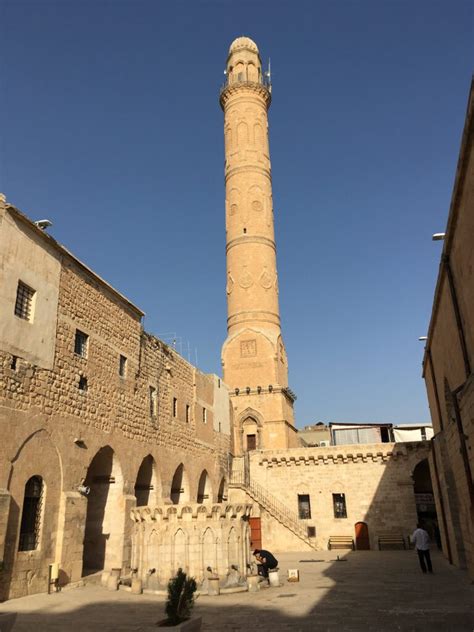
(264, 87)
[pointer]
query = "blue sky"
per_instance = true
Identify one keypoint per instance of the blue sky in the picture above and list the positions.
(111, 128)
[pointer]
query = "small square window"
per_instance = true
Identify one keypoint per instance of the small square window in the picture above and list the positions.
(175, 407)
(311, 532)
(24, 301)
(83, 383)
(339, 505)
(122, 366)
(188, 413)
(204, 416)
(81, 343)
(153, 402)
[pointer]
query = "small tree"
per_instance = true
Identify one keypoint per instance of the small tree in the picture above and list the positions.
(180, 600)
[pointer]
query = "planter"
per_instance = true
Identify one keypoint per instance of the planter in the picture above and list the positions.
(7, 621)
(253, 582)
(213, 588)
(191, 625)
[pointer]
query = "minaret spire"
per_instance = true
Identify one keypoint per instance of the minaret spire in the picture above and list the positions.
(253, 355)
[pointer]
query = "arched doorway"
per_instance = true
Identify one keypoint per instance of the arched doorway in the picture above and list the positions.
(105, 520)
(250, 435)
(179, 486)
(146, 485)
(424, 499)
(362, 536)
(204, 494)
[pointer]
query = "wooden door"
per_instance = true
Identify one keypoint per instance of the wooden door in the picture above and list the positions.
(251, 442)
(255, 533)
(362, 536)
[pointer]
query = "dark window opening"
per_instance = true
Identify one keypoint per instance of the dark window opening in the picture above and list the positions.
(80, 343)
(245, 230)
(385, 435)
(339, 504)
(24, 301)
(122, 366)
(153, 402)
(423, 434)
(14, 363)
(31, 515)
(188, 413)
(304, 507)
(83, 383)
(175, 407)
(311, 532)
(251, 442)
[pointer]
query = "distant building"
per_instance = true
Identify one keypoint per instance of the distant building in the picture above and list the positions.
(317, 435)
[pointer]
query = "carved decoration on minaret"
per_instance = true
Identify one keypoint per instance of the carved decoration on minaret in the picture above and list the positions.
(230, 283)
(246, 279)
(265, 279)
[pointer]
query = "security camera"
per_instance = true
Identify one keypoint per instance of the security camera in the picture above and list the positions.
(44, 223)
(84, 490)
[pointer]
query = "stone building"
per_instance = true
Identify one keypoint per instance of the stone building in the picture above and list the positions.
(105, 429)
(96, 416)
(448, 364)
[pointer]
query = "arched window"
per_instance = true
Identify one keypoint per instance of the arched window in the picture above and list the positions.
(31, 515)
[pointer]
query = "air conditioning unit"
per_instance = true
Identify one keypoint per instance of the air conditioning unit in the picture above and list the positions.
(324, 444)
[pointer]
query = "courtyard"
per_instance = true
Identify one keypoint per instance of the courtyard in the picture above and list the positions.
(365, 590)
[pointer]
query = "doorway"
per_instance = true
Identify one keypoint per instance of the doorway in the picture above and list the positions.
(362, 536)
(251, 442)
(255, 533)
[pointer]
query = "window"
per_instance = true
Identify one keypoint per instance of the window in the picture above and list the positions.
(153, 402)
(423, 434)
(81, 343)
(204, 416)
(31, 514)
(175, 407)
(304, 507)
(122, 366)
(339, 504)
(188, 413)
(24, 301)
(251, 442)
(14, 363)
(311, 532)
(83, 383)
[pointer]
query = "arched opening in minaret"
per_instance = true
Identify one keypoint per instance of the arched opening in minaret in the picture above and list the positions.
(250, 435)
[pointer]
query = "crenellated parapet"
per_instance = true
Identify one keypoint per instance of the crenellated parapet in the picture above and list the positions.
(190, 512)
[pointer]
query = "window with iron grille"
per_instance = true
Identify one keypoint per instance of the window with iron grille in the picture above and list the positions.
(122, 366)
(24, 301)
(339, 504)
(31, 515)
(81, 343)
(304, 507)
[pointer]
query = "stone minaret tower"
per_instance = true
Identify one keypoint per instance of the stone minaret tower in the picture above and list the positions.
(253, 356)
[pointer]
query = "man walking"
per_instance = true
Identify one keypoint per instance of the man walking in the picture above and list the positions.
(421, 540)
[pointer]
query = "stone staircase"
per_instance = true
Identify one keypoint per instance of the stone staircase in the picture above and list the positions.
(240, 479)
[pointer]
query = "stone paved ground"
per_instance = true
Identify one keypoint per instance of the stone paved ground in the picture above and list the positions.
(371, 591)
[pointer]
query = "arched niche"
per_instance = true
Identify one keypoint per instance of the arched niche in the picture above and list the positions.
(104, 530)
(204, 494)
(147, 488)
(222, 493)
(179, 486)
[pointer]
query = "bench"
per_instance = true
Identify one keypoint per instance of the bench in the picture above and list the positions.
(341, 542)
(391, 540)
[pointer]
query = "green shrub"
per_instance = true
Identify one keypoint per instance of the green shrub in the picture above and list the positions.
(180, 600)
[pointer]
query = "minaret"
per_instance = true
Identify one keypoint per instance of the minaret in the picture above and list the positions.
(253, 355)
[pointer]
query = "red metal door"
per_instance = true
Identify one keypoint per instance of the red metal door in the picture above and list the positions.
(255, 533)
(362, 536)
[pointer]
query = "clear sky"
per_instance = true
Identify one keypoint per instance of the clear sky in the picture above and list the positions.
(111, 128)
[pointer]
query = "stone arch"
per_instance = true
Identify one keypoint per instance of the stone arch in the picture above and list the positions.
(233, 547)
(152, 553)
(259, 137)
(209, 550)
(242, 134)
(105, 518)
(252, 72)
(32, 513)
(179, 551)
(228, 139)
(424, 499)
(222, 493)
(147, 487)
(204, 494)
(250, 423)
(256, 199)
(180, 486)
(233, 201)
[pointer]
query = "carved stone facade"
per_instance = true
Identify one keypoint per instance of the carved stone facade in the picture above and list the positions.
(253, 356)
(193, 537)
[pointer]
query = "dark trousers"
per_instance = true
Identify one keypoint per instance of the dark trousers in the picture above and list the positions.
(424, 556)
(263, 569)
